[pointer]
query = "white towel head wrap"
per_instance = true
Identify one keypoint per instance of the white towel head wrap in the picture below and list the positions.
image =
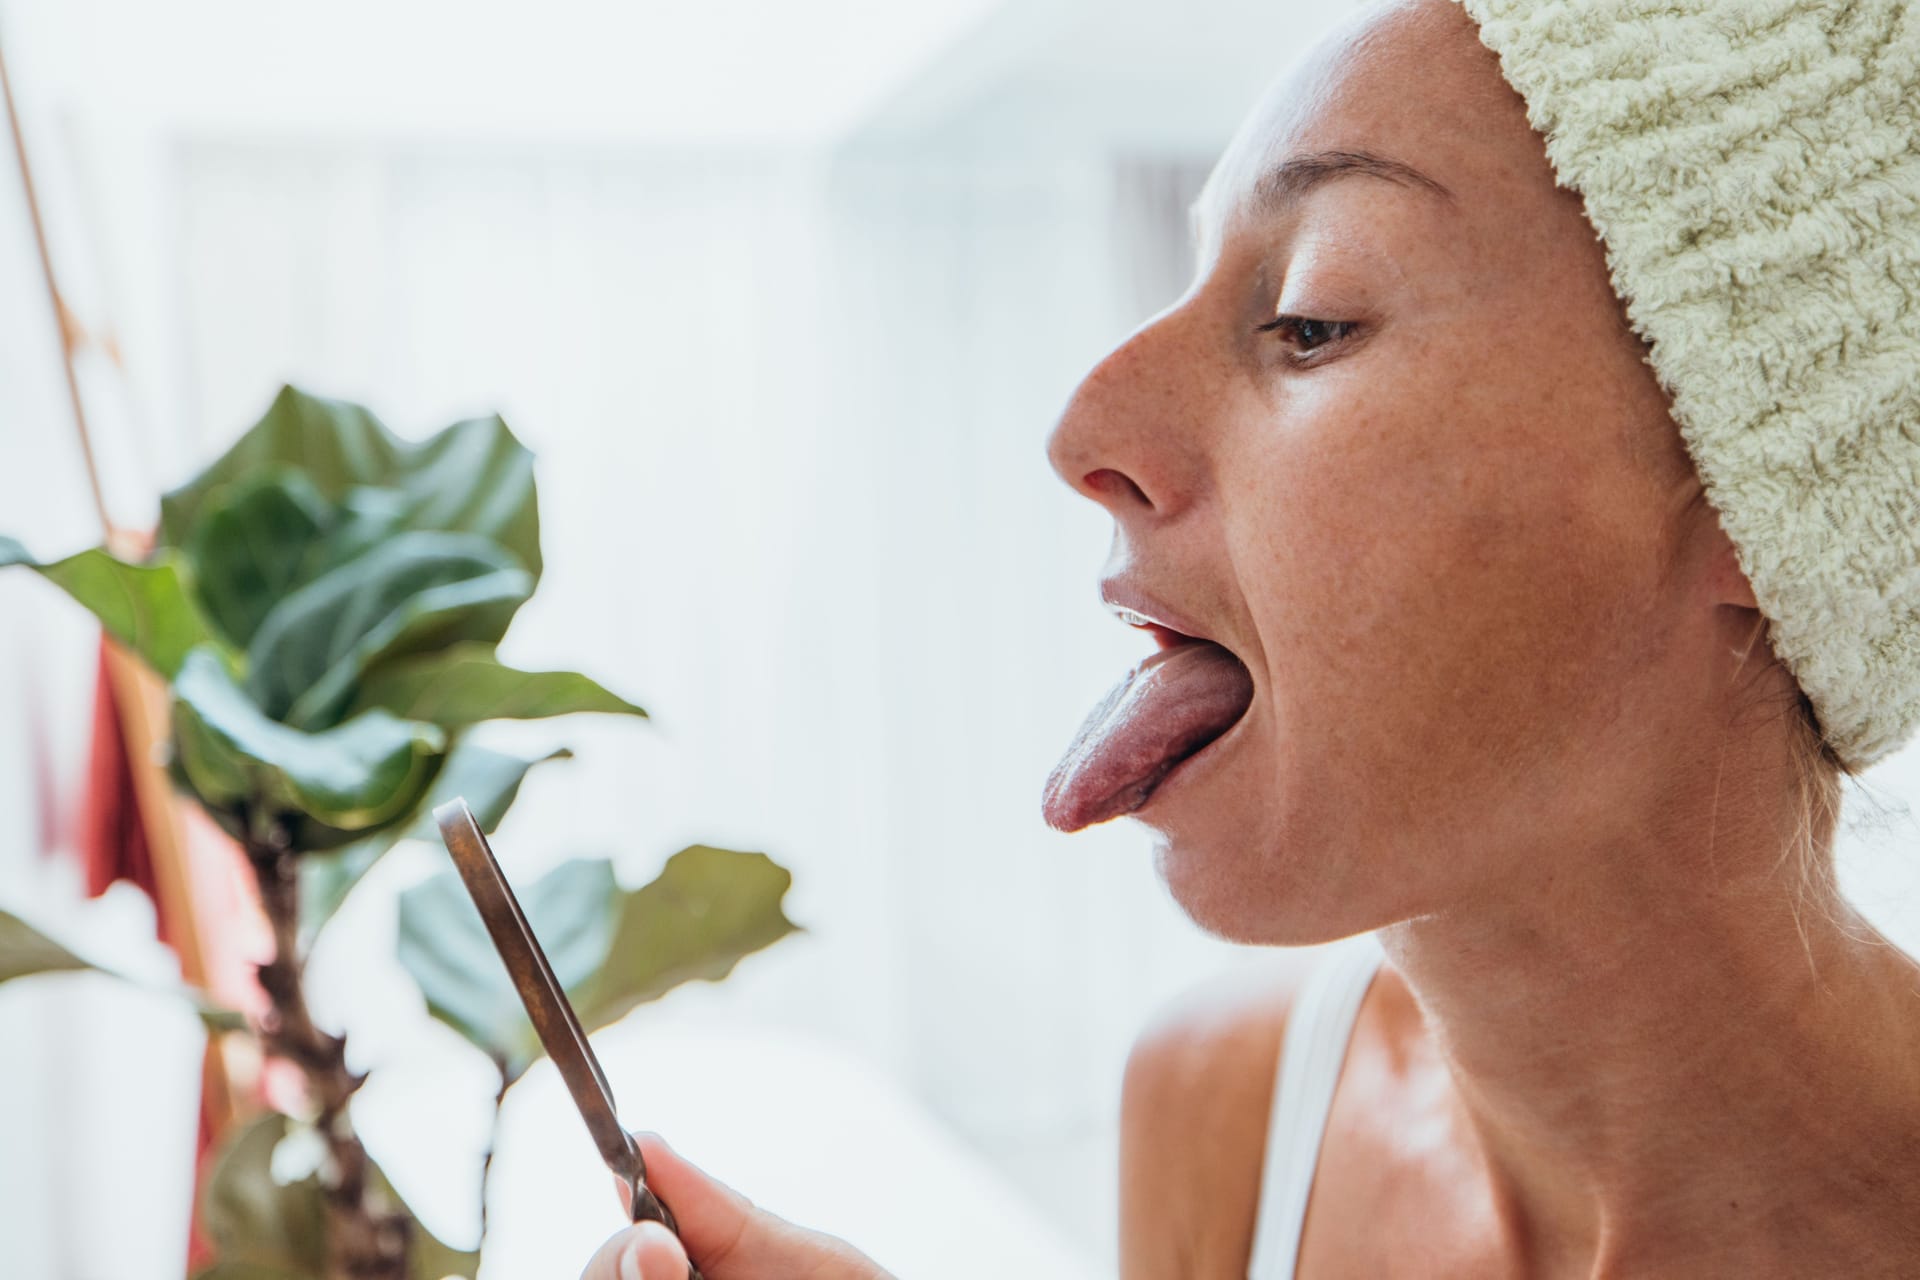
(1753, 169)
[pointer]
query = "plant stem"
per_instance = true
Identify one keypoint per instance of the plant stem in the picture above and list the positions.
(367, 1234)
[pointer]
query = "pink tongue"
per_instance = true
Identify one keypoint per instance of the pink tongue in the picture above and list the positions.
(1167, 708)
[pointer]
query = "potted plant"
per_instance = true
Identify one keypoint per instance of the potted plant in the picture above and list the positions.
(324, 603)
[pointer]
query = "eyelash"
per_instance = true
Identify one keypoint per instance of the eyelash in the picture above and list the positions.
(1346, 328)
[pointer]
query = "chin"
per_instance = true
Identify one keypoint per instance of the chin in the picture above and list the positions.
(1255, 850)
(1253, 893)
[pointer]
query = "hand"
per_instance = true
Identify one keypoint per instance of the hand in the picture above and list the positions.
(729, 1237)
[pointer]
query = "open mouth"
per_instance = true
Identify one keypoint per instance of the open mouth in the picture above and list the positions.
(1172, 705)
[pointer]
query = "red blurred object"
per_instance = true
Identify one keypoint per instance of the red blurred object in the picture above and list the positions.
(111, 839)
(112, 842)
(116, 832)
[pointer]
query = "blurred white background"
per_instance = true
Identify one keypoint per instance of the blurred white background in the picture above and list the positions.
(784, 297)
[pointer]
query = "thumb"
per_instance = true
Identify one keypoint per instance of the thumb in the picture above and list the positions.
(725, 1233)
(644, 1251)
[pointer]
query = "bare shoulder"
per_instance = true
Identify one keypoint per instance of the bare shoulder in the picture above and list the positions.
(1194, 1106)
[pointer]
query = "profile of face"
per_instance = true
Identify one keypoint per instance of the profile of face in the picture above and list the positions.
(1398, 451)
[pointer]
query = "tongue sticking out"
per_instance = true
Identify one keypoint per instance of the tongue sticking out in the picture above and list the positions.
(1168, 708)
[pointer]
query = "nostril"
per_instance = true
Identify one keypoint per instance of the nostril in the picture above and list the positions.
(1108, 483)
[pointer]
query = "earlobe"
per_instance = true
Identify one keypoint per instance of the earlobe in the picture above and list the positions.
(1721, 576)
(1742, 588)
(1730, 584)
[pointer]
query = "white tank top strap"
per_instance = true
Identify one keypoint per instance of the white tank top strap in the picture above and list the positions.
(1318, 1028)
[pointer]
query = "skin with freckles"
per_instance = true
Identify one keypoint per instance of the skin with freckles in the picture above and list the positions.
(1399, 451)
(1459, 546)
(1512, 708)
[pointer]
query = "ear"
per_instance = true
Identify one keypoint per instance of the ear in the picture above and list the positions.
(1725, 579)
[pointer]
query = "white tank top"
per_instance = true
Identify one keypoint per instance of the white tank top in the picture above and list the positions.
(1318, 1028)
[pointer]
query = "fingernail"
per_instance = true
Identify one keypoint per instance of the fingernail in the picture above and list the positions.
(630, 1260)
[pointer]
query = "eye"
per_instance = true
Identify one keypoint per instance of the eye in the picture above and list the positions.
(1309, 333)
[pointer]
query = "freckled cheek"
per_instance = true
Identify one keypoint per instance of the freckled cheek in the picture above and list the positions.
(1393, 567)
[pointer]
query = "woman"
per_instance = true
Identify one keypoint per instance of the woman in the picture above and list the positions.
(1411, 486)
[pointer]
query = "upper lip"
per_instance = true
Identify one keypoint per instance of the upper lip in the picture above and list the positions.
(1125, 594)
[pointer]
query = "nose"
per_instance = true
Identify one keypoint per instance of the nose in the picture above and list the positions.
(1127, 438)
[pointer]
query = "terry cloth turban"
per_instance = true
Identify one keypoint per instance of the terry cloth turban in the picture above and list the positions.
(1753, 169)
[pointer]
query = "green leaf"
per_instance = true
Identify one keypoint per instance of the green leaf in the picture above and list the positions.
(707, 908)
(610, 949)
(446, 948)
(25, 951)
(263, 1230)
(475, 477)
(365, 518)
(255, 1222)
(466, 683)
(144, 606)
(488, 780)
(249, 548)
(350, 779)
(428, 1257)
(214, 1017)
(336, 444)
(472, 477)
(416, 591)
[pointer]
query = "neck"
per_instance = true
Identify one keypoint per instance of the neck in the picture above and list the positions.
(1670, 1046)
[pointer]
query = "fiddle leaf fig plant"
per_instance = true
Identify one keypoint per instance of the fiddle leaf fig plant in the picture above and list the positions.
(145, 607)
(487, 779)
(611, 949)
(325, 602)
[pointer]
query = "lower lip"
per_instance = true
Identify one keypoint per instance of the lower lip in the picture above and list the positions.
(1194, 764)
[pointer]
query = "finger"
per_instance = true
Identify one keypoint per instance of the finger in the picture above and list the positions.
(720, 1227)
(658, 1253)
(644, 1251)
(713, 1219)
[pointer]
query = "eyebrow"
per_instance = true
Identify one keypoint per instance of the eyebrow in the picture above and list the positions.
(1293, 177)
(1288, 182)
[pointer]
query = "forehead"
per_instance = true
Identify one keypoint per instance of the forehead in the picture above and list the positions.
(1402, 91)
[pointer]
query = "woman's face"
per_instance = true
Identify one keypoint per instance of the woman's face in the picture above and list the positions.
(1444, 518)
